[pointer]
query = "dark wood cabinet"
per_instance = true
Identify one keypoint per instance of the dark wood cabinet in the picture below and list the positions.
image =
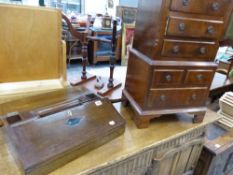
(171, 64)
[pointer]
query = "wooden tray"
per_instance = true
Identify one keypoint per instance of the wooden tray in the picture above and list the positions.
(47, 138)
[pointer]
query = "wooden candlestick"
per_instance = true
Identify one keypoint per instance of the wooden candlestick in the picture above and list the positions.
(85, 76)
(110, 80)
(82, 36)
(84, 61)
(112, 84)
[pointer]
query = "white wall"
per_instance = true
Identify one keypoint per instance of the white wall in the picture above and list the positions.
(98, 6)
(130, 3)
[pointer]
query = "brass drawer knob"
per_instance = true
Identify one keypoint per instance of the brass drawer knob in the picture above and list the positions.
(202, 50)
(176, 49)
(210, 29)
(185, 2)
(162, 98)
(168, 77)
(182, 27)
(194, 97)
(215, 6)
(200, 77)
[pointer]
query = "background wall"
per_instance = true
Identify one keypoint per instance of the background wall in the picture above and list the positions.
(130, 3)
(99, 7)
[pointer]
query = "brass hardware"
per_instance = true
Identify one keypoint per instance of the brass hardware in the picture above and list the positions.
(194, 97)
(182, 26)
(185, 2)
(168, 77)
(202, 50)
(162, 98)
(215, 6)
(210, 29)
(176, 49)
(200, 77)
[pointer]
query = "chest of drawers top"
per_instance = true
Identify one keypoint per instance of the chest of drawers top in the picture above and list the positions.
(181, 29)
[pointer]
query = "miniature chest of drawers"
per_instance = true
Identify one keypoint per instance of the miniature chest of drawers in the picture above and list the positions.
(171, 65)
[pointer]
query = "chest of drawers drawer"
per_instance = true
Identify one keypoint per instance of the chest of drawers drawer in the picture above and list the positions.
(167, 77)
(199, 77)
(206, 7)
(189, 49)
(176, 97)
(182, 26)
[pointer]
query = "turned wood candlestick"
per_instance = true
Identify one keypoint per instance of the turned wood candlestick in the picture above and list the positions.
(112, 84)
(84, 60)
(112, 57)
(82, 36)
(112, 65)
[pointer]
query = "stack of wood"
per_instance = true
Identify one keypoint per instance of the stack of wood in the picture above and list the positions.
(226, 110)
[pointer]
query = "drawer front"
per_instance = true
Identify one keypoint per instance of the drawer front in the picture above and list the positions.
(196, 28)
(177, 98)
(208, 7)
(167, 77)
(199, 77)
(195, 50)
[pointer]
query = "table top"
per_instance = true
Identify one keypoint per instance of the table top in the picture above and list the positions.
(133, 141)
(220, 80)
(221, 83)
(94, 29)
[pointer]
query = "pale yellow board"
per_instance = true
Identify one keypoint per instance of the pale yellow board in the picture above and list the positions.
(31, 46)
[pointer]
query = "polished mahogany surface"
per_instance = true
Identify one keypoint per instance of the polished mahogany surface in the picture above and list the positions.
(62, 131)
(171, 64)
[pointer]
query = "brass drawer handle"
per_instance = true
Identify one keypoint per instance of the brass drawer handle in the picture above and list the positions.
(202, 50)
(185, 2)
(194, 97)
(176, 49)
(182, 27)
(210, 29)
(168, 78)
(162, 98)
(215, 6)
(200, 77)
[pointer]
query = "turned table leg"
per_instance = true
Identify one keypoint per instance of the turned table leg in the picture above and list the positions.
(141, 121)
(198, 118)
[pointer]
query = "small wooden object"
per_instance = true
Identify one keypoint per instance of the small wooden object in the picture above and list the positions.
(46, 138)
(99, 83)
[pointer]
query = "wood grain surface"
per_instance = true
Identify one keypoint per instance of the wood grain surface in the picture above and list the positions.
(43, 141)
(31, 46)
